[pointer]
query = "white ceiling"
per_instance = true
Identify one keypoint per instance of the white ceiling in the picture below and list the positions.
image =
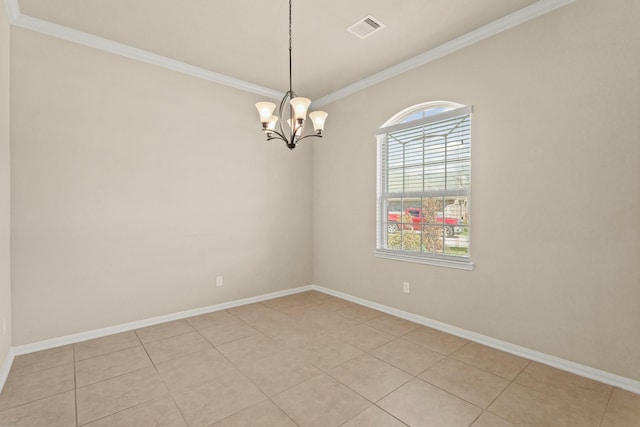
(248, 39)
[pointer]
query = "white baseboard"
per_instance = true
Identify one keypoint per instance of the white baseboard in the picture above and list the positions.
(6, 367)
(546, 359)
(563, 364)
(103, 332)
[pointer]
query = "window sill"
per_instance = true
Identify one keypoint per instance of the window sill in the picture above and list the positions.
(440, 262)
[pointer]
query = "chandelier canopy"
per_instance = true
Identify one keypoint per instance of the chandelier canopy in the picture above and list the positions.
(293, 111)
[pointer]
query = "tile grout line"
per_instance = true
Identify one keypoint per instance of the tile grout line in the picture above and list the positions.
(36, 400)
(113, 377)
(476, 419)
(606, 407)
(75, 384)
(486, 371)
(449, 356)
(391, 415)
(282, 410)
(107, 352)
(449, 393)
(49, 396)
(241, 373)
(270, 398)
(153, 364)
(511, 381)
(542, 393)
(327, 373)
(413, 377)
(446, 356)
(549, 360)
(240, 370)
(256, 386)
(43, 369)
(155, 368)
(312, 334)
(374, 406)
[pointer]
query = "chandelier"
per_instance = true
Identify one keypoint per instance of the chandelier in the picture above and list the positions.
(292, 114)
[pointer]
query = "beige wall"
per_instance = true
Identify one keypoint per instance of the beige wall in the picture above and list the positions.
(556, 189)
(5, 225)
(134, 186)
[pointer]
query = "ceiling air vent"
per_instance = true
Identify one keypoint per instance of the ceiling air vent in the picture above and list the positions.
(366, 26)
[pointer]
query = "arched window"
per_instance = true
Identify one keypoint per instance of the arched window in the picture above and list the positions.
(424, 185)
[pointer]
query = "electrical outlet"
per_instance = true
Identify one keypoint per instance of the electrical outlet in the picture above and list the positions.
(406, 287)
(219, 281)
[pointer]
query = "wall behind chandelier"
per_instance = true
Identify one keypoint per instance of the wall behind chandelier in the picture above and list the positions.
(135, 186)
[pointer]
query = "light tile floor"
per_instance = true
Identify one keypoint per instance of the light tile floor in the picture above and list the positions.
(303, 360)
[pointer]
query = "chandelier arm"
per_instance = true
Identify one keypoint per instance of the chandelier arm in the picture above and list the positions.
(280, 136)
(308, 136)
(288, 96)
(294, 141)
(291, 129)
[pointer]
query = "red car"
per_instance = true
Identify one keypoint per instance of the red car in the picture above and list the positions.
(452, 225)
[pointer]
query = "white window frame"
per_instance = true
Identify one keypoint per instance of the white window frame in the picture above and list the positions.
(397, 122)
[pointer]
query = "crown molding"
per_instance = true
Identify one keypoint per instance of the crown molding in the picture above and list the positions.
(12, 9)
(509, 21)
(86, 39)
(523, 15)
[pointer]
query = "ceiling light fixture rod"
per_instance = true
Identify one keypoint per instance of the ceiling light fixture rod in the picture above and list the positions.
(290, 50)
(292, 112)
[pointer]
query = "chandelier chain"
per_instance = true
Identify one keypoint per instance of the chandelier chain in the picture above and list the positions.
(290, 68)
(289, 125)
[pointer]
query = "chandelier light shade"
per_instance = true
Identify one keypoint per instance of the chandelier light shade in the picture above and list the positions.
(288, 126)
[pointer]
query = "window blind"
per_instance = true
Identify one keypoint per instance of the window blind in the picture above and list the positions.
(432, 154)
(424, 171)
